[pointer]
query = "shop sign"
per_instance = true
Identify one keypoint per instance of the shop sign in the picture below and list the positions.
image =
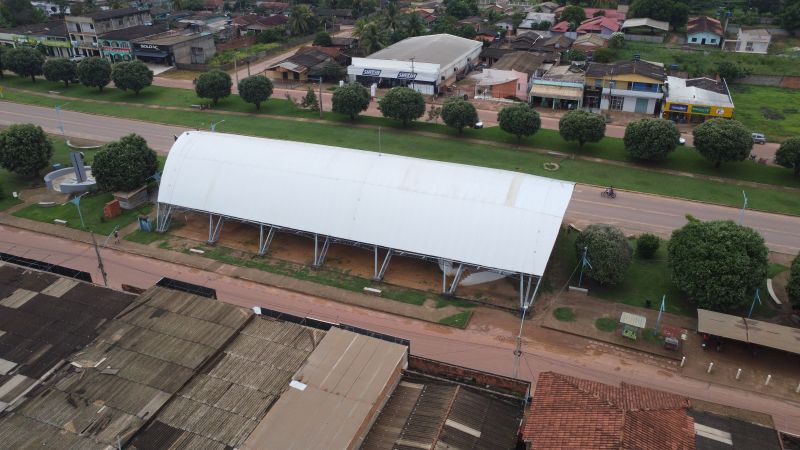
(110, 49)
(678, 108)
(371, 73)
(65, 44)
(720, 111)
(406, 75)
(701, 109)
(149, 47)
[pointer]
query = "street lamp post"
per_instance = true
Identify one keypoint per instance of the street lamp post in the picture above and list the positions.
(214, 125)
(319, 101)
(744, 206)
(61, 122)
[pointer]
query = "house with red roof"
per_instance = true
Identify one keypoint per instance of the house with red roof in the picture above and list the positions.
(704, 30)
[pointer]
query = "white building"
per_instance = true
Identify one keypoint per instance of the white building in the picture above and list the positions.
(424, 63)
(750, 41)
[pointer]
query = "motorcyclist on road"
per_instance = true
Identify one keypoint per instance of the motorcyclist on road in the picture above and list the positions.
(610, 191)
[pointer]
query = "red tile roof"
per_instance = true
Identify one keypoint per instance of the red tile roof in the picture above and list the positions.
(596, 24)
(704, 24)
(573, 413)
(590, 12)
(560, 27)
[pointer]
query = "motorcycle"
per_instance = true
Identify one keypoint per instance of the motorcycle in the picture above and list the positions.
(608, 193)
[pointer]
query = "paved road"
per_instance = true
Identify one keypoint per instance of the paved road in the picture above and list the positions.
(486, 345)
(633, 212)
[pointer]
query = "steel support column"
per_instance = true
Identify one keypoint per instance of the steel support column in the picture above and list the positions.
(526, 298)
(214, 228)
(380, 273)
(456, 280)
(319, 254)
(264, 240)
(163, 217)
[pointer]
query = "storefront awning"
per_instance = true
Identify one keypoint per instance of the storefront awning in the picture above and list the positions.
(152, 54)
(560, 92)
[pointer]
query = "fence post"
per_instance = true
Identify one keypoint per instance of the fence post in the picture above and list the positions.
(710, 366)
(769, 377)
(683, 361)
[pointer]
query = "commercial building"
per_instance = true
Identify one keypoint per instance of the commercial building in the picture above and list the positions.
(704, 30)
(697, 99)
(308, 61)
(501, 221)
(84, 30)
(510, 76)
(427, 64)
(173, 49)
(118, 45)
(51, 35)
(630, 86)
(561, 87)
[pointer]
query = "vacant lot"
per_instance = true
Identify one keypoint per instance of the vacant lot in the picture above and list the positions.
(770, 110)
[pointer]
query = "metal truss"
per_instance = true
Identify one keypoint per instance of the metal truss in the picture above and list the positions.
(163, 217)
(320, 253)
(264, 240)
(381, 271)
(214, 228)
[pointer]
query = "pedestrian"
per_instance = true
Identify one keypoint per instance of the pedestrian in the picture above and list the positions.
(116, 237)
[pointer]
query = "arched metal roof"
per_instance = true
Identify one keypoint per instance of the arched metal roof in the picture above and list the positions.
(474, 215)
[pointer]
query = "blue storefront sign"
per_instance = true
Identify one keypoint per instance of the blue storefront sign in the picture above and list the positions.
(406, 75)
(678, 108)
(371, 73)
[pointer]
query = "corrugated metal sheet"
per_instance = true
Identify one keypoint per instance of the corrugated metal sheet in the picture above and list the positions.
(488, 217)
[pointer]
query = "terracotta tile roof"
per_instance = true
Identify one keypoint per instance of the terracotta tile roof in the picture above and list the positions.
(573, 413)
(704, 24)
(596, 24)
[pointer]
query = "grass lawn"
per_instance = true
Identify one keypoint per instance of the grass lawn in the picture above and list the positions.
(605, 324)
(455, 150)
(459, 320)
(92, 209)
(773, 111)
(776, 269)
(144, 237)
(564, 314)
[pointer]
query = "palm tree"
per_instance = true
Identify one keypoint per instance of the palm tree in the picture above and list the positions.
(300, 19)
(414, 25)
(391, 15)
(371, 36)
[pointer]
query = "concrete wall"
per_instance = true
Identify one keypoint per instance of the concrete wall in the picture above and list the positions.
(463, 374)
(791, 82)
(644, 38)
(183, 51)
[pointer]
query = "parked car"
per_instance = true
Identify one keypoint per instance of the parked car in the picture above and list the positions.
(681, 141)
(478, 125)
(759, 138)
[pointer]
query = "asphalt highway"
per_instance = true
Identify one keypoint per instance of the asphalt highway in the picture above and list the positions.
(635, 213)
(485, 345)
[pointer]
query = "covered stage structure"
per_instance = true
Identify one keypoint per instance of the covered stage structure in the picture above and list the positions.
(751, 331)
(456, 215)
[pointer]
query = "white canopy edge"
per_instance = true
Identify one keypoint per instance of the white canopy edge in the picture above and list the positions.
(485, 217)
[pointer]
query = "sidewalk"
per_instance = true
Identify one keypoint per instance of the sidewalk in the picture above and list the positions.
(425, 312)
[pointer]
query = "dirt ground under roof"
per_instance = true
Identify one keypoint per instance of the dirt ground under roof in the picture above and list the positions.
(403, 271)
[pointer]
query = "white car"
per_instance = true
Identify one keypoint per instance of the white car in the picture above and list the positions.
(681, 141)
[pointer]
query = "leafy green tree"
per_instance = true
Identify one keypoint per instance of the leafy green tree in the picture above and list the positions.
(94, 72)
(25, 62)
(722, 140)
(573, 14)
(332, 71)
(788, 155)
(301, 20)
(654, 9)
(350, 100)
(371, 36)
(270, 35)
(793, 287)
(403, 104)
(60, 69)
(413, 25)
(391, 15)
(651, 139)
(20, 12)
(310, 100)
(323, 39)
(647, 245)
(214, 84)
(256, 90)
(717, 263)
(608, 251)
(517, 18)
(520, 120)
(124, 165)
(732, 71)
(25, 149)
(458, 113)
(617, 40)
(790, 16)
(604, 55)
(3, 52)
(576, 54)
(581, 126)
(133, 75)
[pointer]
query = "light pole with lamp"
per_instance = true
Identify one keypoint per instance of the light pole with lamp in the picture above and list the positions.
(319, 101)
(744, 206)
(214, 125)
(61, 122)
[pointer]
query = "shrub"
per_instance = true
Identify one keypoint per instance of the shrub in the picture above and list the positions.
(581, 126)
(458, 113)
(60, 69)
(647, 245)
(519, 120)
(94, 72)
(214, 84)
(24, 61)
(25, 149)
(609, 253)
(605, 324)
(256, 90)
(722, 140)
(651, 139)
(403, 104)
(793, 287)
(564, 314)
(124, 165)
(350, 100)
(788, 155)
(133, 75)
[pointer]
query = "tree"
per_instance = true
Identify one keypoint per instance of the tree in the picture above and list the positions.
(256, 90)
(520, 120)
(60, 69)
(434, 113)
(731, 71)
(608, 251)
(722, 140)
(310, 100)
(323, 39)
(573, 14)
(214, 84)
(654, 9)
(581, 126)
(270, 35)
(603, 55)
(124, 165)
(133, 75)
(647, 245)
(25, 62)
(20, 12)
(617, 40)
(651, 139)
(391, 15)
(350, 100)
(301, 20)
(3, 52)
(332, 71)
(371, 36)
(94, 72)
(793, 286)
(403, 104)
(717, 263)
(25, 149)
(458, 113)
(788, 155)
(517, 18)
(790, 17)
(414, 26)
(576, 54)
(679, 16)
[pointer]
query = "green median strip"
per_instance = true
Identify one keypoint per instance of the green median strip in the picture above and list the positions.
(453, 149)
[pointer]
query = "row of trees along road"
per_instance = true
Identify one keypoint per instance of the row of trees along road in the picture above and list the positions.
(717, 264)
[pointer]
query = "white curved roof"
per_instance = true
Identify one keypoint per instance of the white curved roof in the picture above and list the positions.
(488, 217)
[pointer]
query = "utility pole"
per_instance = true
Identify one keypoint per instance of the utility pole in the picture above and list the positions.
(320, 96)
(518, 348)
(99, 261)
(744, 206)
